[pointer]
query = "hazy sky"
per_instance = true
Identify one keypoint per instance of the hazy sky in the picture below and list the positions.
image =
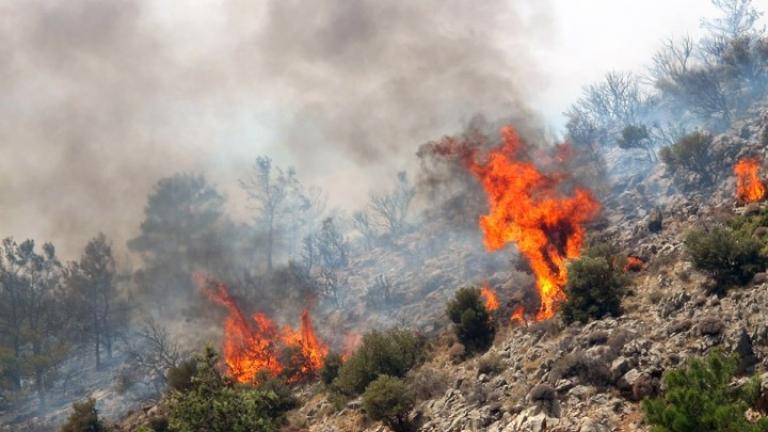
(101, 98)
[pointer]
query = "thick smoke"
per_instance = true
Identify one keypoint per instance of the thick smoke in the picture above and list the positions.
(101, 99)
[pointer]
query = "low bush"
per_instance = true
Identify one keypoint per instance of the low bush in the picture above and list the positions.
(388, 399)
(180, 377)
(330, 369)
(471, 320)
(588, 370)
(158, 424)
(427, 383)
(490, 364)
(728, 256)
(214, 403)
(701, 397)
(393, 352)
(84, 418)
(284, 400)
(594, 289)
(691, 152)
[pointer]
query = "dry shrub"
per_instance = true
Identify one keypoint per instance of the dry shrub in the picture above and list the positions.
(427, 383)
(588, 370)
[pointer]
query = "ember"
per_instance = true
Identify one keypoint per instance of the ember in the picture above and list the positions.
(633, 264)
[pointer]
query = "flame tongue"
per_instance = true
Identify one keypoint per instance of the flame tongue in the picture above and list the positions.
(526, 208)
(749, 187)
(490, 298)
(252, 347)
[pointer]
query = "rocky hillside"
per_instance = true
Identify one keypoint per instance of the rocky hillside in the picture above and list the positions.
(543, 376)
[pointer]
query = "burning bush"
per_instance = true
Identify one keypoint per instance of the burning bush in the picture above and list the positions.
(471, 320)
(700, 397)
(393, 352)
(216, 404)
(595, 287)
(389, 399)
(528, 207)
(257, 345)
(749, 185)
(729, 257)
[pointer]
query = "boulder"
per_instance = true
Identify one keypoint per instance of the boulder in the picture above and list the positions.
(710, 326)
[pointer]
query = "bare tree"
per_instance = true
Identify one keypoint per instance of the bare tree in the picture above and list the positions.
(361, 221)
(737, 21)
(391, 209)
(607, 108)
(333, 254)
(687, 86)
(268, 186)
(154, 352)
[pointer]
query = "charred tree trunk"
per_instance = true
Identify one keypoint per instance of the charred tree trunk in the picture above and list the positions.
(97, 341)
(16, 374)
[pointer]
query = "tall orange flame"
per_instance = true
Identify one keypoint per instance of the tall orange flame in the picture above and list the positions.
(749, 187)
(527, 208)
(253, 347)
(490, 298)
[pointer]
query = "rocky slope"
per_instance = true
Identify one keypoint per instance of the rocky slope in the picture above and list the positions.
(542, 377)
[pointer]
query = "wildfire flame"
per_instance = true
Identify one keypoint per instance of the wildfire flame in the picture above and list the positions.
(518, 315)
(255, 346)
(351, 342)
(490, 298)
(527, 208)
(749, 187)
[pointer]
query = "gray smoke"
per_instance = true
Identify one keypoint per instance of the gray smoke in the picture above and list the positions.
(103, 98)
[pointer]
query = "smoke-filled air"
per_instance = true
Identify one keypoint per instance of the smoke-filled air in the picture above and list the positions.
(372, 216)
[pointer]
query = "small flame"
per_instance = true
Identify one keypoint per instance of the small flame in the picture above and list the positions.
(749, 187)
(253, 347)
(526, 207)
(633, 264)
(351, 342)
(518, 315)
(489, 296)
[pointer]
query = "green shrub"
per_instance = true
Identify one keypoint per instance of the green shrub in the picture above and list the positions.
(84, 418)
(388, 399)
(158, 424)
(393, 352)
(215, 404)
(690, 152)
(728, 256)
(699, 397)
(594, 289)
(180, 377)
(284, 400)
(331, 367)
(471, 320)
